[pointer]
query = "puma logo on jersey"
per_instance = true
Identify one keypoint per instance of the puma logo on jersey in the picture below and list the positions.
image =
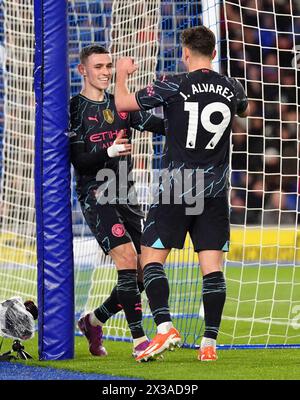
(93, 119)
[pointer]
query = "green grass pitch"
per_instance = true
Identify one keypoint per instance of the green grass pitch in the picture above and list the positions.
(245, 299)
(181, 364)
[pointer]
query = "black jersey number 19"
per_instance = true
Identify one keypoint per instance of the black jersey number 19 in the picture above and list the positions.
(217, 129)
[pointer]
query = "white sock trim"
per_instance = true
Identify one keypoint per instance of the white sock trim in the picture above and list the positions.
(205, 342)
(139, 340)
(94, 321)
(164, 327)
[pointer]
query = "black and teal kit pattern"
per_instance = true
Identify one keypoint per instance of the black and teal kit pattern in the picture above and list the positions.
(199, 108)
(166, 226)
(94, 126)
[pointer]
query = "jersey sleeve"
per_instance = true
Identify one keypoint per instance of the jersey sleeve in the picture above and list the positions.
(83, 161)
(242, 99)
(161, 92)
(75, 123)
(144, 121)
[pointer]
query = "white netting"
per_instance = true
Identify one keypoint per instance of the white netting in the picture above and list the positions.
(263, 265)
(261, 269)
(134, 33)
(17, 214)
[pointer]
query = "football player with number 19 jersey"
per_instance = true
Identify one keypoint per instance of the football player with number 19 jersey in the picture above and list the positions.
(199, 108)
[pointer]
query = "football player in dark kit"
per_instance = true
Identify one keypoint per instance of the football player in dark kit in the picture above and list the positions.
(100, 141)
(199, 107)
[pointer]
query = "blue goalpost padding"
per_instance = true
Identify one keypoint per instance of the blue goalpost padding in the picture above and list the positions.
(52, 182)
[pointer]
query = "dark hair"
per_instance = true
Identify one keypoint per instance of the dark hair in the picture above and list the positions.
(92, 49)
(199, 39)
(32, 308)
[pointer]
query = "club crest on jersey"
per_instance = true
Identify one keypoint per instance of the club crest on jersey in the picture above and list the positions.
(123, 115)
(108, 116)
(118, 230)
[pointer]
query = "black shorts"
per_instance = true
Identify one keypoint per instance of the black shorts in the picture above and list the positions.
(112, 224)
(167, 225)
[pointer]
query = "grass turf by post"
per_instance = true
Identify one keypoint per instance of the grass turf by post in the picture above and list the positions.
(179, 365)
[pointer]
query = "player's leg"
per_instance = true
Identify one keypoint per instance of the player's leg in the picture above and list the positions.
(139, 346)
(123, 254)
(92, 323)
(157, 242)
(129, 296)
(132, 217)
(157, 290)
(157, 286)
(108, 228)
(213, 297)
(211, 237)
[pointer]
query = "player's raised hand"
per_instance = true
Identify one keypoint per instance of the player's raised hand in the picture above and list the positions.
(126, 65)
(120, 147)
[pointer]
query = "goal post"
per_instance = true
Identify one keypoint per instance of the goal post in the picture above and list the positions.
(52, 182)
(211, 17)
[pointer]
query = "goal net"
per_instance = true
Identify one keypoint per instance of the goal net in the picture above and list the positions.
(256, 43)
(263, 265)
(259, 43)
(17, 214)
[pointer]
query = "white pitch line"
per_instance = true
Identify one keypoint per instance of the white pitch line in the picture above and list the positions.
(264, 321)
